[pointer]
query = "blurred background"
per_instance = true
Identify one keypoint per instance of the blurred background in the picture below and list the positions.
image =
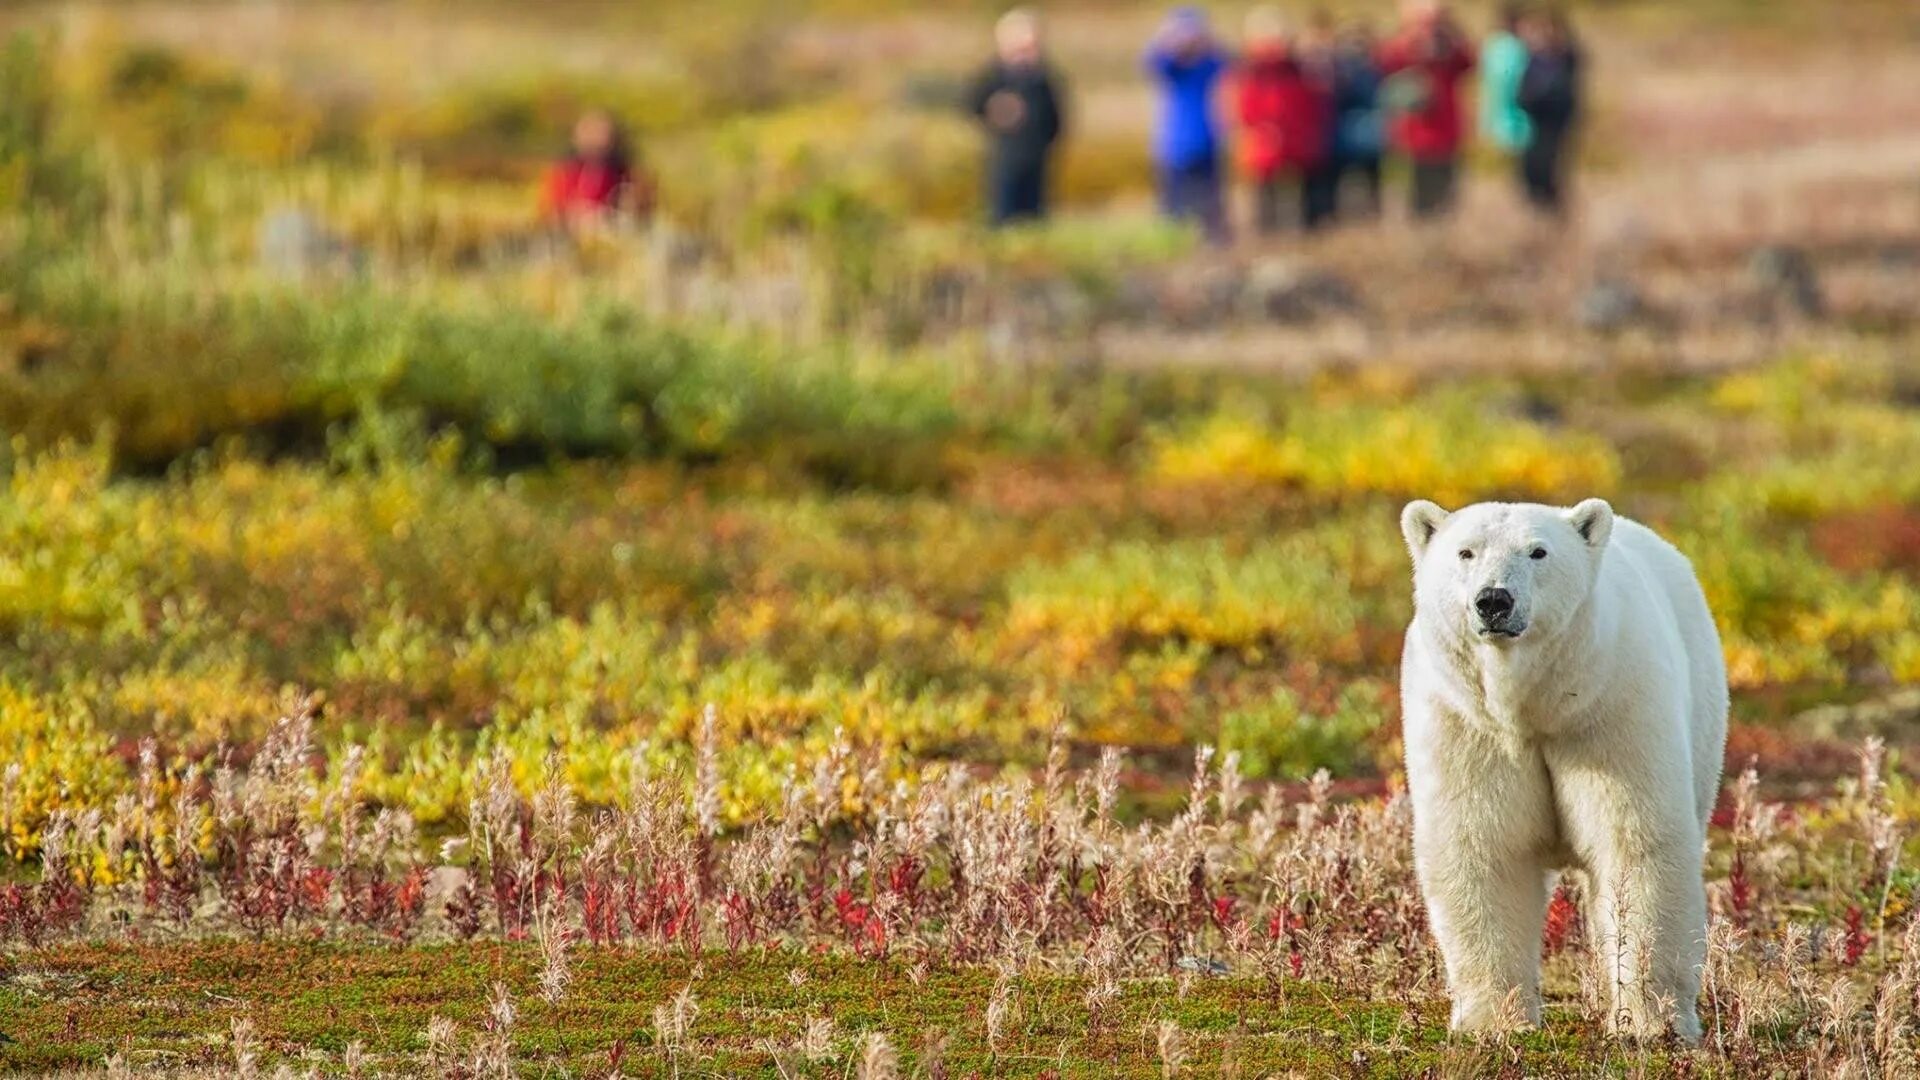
(814, 174)
(339, 356)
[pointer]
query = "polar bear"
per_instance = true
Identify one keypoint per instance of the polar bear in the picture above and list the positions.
(1565, 706)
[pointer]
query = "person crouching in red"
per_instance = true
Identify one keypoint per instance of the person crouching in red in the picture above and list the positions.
(1287, 113)
(597, 180)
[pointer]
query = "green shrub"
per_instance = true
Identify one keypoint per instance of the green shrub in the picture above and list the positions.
(170, 369)
(1280, 740)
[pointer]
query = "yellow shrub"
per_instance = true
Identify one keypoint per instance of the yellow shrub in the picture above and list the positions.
(1446, 449)
(56, 758)
(1317, 591)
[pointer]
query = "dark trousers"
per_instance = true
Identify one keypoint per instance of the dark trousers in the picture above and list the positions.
(1016, 190)
(1192, 193)
(1319, 195)
(1434, 185)
(1367, 169)
(1308, 197)
(1269, 203)
(1542, 166)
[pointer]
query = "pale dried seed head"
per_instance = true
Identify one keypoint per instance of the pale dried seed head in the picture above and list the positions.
(685, 1010)
(1170, 1046)
(706, 799)
(501, 1010)
(877, 1058)
(933, 1052)
(556, 970)
(1232, 787)
(999, 1007)
(245, 1047)
(554, 807)
(816, 1042)
(440, 1037)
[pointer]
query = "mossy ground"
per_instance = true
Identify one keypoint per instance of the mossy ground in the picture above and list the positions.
(172, 1005)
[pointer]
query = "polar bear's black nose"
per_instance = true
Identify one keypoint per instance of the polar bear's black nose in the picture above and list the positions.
(1494, 605)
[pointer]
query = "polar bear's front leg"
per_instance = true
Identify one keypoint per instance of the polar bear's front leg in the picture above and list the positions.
(1487, 918)
(1631, 820)
(1483, 817)
(1649, 917)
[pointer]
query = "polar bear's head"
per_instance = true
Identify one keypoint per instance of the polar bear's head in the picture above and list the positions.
(1504, 572)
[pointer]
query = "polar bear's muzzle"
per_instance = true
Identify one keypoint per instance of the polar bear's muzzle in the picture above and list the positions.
(1498, 613)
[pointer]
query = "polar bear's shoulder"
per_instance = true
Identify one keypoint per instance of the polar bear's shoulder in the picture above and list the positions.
(1643, 542)
(1639, 549)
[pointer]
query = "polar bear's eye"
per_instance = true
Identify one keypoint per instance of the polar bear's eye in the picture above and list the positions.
(1465, 554)
(1539, 553)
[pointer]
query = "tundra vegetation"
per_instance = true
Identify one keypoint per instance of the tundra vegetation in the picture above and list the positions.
(810, 637)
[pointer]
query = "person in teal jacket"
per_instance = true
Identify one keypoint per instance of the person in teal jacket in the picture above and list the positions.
(1503, 61)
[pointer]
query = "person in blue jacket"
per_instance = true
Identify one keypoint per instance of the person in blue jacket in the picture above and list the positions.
(1359, 126)
(1187, 64)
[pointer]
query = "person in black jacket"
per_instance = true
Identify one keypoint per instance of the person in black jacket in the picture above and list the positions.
(1550, 94)
(1017, 99)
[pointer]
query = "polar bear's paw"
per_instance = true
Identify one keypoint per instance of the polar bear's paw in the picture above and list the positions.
(1656, 1022)
(1485, 1014)
(1686, 1028)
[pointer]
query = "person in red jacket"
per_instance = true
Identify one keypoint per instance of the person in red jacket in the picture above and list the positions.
(1425, 64)
(597, 179)
(1287, 113)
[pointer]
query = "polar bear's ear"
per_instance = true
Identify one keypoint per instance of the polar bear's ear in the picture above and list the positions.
(1418, 522)
(1593, 520)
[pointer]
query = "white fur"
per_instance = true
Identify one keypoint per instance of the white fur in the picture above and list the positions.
(1591, 741)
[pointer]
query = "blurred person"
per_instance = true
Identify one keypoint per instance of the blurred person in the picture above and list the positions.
(1287, 115)
(1187, 63)
(1359, 127)
(1314, 47)
(1017, 99)
(1550, 93)
(1503, 60)
(1315, 51)
(597, 179)
(1425, 63)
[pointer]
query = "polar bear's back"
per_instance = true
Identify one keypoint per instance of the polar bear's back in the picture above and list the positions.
(1663, 565)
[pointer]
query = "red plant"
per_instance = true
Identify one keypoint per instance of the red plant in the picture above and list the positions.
(1857, 939)
(599, 908)
(904, 878)
(737, 920)
(865, 928)
(1878, 538)
(616, 1054)
(407, 901)
(1223, 915)
(465, 909)
(1740, 887)
(1563, 921)
(671, 910)
(169, 888)
(38, 912)
(1293, 925)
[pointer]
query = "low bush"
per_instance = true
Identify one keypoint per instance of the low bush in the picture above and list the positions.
(169, 368)
(1451, 447)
